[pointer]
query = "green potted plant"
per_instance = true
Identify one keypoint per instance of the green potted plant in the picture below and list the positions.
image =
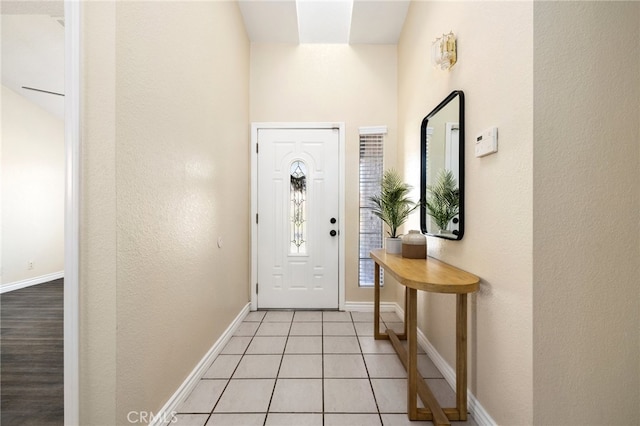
(393, 206)
(443, 203)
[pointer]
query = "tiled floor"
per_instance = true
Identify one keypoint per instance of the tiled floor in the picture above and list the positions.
(308, 368)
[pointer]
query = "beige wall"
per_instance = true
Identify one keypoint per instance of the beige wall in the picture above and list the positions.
(586, 221)
(354, 84)
(494, 69)
(166, 124)
(32, 225)
(98, 266)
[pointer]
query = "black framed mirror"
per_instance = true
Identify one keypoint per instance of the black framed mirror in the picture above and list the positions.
(442, 174)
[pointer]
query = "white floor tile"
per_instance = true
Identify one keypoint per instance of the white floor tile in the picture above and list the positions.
(278, 316)
(203, 397)
(306, 329)
(442, 391)
(398, 327)
(267, 345)
(391, 395)
(348, 396)
(351, 420)
(236, 345)
(255, 316)
(364, 328)
(427, 368)
(297, 419)
(222, 367)
(344, 366)
(384, 366)
(297, 396)
(246, 329)
(273, 329)
(403, 420)
(189, 420)
(258, 367)
(307, 316)
(370, 345)
(246, 396)
(405, 344)
(390, 317)
(336, 316)
(338, 329)
(301, 367)
(243, 419)
(341, 345)
(362, 317)
(304, 345)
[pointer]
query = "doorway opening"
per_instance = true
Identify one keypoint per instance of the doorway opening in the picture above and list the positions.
(46, 93)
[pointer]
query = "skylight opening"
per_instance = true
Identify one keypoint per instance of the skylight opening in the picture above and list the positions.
(324, 21)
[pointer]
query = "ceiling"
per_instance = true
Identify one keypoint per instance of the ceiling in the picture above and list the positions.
(324, 21)
(33, 51)
(33, 35)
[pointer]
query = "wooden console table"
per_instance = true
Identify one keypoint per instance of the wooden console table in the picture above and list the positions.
(438, 277)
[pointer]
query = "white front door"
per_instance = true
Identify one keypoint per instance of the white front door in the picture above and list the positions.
(298, 205)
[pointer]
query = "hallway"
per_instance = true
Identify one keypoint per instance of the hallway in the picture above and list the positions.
(308, 368)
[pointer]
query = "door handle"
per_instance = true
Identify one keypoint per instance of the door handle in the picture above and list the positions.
(333, 233)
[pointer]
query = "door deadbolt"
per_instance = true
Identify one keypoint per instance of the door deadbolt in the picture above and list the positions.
(333, 220)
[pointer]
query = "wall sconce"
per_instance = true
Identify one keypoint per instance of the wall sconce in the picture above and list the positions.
(443, 51)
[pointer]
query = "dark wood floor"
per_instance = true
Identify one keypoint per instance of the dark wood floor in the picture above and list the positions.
(31, 356)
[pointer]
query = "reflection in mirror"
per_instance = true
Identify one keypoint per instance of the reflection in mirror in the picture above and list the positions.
(442, 175)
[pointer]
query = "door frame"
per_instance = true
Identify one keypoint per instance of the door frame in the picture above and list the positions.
(254, 200)
(73, 58)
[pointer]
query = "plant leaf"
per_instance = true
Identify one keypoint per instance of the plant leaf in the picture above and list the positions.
(393, 205)
(444, 202)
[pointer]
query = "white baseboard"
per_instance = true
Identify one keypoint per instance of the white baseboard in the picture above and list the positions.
(476, 409)
(165, 415)
(368, 306)
(17, 285)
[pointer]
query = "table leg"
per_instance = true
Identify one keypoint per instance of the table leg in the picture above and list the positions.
(376, 303)
(411, 308)
(461, 356)
(406, 303)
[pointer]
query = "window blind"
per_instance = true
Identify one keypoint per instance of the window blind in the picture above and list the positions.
(371, 170)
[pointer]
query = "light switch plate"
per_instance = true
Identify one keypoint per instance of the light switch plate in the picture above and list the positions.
(487, 142)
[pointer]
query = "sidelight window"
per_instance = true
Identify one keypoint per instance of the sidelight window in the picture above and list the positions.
(371, 170)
